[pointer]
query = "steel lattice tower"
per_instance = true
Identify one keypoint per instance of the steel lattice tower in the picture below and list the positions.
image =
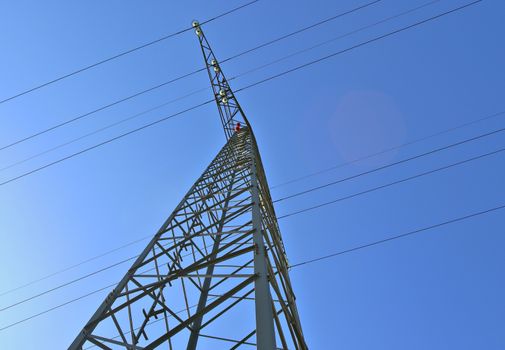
(215, 275)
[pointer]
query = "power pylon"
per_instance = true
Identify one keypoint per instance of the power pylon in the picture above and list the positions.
(215, 275)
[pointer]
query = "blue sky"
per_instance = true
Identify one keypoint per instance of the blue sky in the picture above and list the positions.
(442, 289)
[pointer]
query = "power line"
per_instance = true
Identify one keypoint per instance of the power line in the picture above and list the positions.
(57, 307)
(424, 138)
(76, 265)
(342, 252)
(66, 284)
(313, 260)
(494, 132)
(392, 183)
(241, 89)
(302, 30)
(105, 142)
(171, 81)
(296, 179)
(292, 214)
(106, 127)
(108, 252)
(93, 65)
(235, 77)
(79, 117)
(96, 272)
(341, 36)
(360, 44)
(403, 235)
(292, 266)
(70, 301)
(279, 218)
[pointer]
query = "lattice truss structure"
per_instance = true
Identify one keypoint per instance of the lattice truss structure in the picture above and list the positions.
(215, 275)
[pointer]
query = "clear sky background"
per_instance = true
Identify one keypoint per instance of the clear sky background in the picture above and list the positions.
(442, 289)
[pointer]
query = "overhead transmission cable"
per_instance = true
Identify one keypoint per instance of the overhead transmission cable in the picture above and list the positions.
(375, 243)
(308, 64)
(408, 143)
(327, 203)
(207, 88)
(359, 45)
(93, 65)
(341, 36)
(76, 265)
(105, 142)
(96, 131)
(378, 242)
(389, 165)
(183, 76)
(81, 116)
(93, 273)
(128, 244)
(329, 19)
(373, 189)
(403, 235)
(296, 179)
(295, 213)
